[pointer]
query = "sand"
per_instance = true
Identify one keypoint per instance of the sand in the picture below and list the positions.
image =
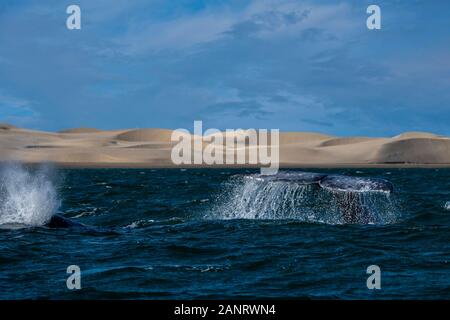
(151, 148)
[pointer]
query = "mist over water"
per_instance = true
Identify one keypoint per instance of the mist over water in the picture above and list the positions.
(28, 196)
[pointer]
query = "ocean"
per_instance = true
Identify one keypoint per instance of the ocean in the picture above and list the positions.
(220, 234)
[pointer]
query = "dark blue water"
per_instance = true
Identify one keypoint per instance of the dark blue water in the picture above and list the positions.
(163, 234)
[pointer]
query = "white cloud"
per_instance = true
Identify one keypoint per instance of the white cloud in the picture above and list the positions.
(268, 19)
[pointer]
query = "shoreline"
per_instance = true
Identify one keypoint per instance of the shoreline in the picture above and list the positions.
(92, 165)
(152, 148)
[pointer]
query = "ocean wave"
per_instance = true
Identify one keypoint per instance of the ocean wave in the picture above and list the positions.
(140, 223)
(447, 205)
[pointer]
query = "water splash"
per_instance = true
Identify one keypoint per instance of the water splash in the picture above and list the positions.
(447, 205)
(246, 197)
(357, 207)
(27, 196)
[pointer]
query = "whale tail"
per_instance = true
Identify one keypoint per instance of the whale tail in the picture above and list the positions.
(307, 196)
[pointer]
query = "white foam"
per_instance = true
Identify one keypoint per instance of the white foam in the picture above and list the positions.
(247, 198)
(447, 205)
(244, 198)
(27, 196)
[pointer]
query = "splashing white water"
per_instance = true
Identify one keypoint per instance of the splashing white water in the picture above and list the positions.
(27, 196)
(447, 205)
(249, 198)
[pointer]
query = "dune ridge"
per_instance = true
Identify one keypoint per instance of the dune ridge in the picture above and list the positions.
(80, 130)
(146, 135)
(89, 147)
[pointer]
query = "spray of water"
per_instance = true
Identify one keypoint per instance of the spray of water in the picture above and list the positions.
(28, 196)
(248, 198)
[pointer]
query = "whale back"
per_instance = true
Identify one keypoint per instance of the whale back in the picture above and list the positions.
(58, 221)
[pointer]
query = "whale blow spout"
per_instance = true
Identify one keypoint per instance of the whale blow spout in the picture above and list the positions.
(28, 195)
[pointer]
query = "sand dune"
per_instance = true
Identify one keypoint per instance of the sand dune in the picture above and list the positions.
(415, 134)
(305, 137)
(160, 135)
(87, 147)
(415, 150)
(80, 130)
(6, 126)
(343, 141)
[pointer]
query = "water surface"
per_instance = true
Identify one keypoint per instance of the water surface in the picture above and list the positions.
(200, 234)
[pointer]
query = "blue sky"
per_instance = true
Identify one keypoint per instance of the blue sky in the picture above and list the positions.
(292, 65)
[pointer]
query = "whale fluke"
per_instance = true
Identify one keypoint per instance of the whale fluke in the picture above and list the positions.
(356, 184)
(330, 182)
(351, 196)
(297, 177)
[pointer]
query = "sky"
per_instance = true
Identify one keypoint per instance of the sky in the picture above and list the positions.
(288, 65)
